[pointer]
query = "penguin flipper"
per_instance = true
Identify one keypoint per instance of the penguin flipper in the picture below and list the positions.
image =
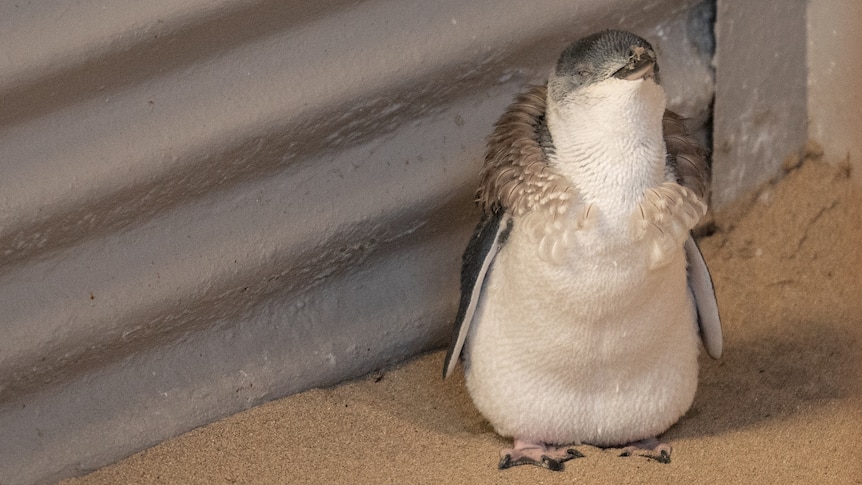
(488, 237)
(700, 285)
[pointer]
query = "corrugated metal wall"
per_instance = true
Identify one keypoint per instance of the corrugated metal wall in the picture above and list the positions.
(205, 205)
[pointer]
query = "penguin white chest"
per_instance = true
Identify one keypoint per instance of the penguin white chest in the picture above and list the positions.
(597, 348)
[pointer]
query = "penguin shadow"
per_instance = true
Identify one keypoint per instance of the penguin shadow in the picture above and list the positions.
(761, 377)
(772, 376)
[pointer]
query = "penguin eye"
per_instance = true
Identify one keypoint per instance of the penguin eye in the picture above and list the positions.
(583, 73)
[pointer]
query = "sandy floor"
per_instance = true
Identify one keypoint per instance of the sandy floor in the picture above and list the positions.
(784, 404)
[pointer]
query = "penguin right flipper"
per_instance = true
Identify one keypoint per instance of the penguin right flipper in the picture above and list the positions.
(488, 238)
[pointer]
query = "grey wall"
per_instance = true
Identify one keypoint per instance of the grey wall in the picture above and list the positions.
(761, 93)
(834, 95)
(207, 205)
(785, 75)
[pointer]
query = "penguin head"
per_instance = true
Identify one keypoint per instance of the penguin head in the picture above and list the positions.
(604, 56)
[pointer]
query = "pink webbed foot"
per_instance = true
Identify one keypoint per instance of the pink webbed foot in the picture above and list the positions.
(650, 448)
(538, 454)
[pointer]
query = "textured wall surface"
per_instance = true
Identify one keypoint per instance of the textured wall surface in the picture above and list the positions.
(760, 103)
(834, 93)
(206, 205)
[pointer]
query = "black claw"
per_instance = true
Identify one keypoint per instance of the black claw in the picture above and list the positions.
(664, 457)
(552, 464)
(507, 462)
(573, 453)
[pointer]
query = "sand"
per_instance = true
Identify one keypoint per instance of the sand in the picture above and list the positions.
(783, 405)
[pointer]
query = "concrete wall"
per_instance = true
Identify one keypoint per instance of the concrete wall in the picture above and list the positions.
(785, 74)
(834, 74)
(206, 205)
(761, 98)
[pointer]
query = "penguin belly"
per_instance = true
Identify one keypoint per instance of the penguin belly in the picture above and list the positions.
(598, 350)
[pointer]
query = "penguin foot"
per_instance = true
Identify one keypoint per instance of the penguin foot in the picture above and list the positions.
(538, 454)
(650, 448)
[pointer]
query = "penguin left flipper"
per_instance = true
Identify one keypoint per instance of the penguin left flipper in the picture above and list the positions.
(687, 160)
(488, 238)
(703, 292)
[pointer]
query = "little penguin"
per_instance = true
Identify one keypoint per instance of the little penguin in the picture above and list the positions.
(583, 294)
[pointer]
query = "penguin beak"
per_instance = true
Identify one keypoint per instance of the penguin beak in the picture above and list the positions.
(641, 65)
